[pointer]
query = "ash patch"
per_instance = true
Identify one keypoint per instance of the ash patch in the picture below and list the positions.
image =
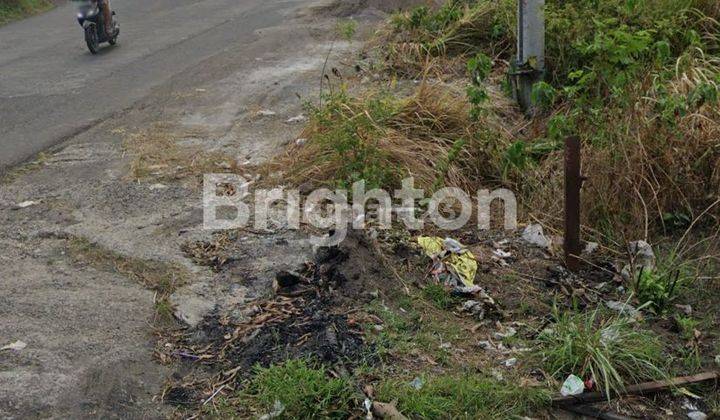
(316, 312)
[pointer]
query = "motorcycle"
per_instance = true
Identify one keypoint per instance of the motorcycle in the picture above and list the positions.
(90, 16)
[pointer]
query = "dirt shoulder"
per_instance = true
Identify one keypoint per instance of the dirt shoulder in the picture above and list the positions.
(87, 245)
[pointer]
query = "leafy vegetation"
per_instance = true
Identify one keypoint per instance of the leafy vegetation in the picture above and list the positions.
(637, 80)
(610, 350)
(381, 138)
(439, 296)
(299, 391)
(467, 396)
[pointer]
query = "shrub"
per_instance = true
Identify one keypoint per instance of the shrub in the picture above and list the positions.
(468, 396)
(303, 391)
(611, 350)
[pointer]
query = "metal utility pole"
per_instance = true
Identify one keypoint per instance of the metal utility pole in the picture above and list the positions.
(529, 65)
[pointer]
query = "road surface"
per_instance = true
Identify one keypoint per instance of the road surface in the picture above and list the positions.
(52, 88)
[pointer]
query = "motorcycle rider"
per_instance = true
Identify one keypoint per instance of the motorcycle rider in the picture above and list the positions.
(107, 17)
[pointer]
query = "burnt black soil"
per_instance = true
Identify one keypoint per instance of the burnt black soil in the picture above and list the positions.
(314, 314)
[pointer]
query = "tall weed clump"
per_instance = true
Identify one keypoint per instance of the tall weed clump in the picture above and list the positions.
(637, 80)
(611, 351)
(380, 138)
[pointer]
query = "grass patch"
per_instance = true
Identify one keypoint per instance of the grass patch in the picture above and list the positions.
(380, 138)
(159, 154)
(302, 390)
(468, 396)
(611, 350)
(14, 173)
(440, 296)
(638, 81)
(11, 10)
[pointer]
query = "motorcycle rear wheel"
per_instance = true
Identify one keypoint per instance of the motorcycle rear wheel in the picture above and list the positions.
(91, 39)
(114, 39)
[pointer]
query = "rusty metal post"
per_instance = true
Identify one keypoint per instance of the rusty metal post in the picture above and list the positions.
(573, 184)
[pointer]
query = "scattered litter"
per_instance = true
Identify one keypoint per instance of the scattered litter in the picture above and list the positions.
(298, 119)
(452, 263)
(623, 308)
(687, 405)
(502, 254)
(590, 248)
(642, 258)
(642, 254)
(417, 383)
(367, 404)
(26, 204)
(572, 386)
(278, 409)
(475, 308)
(200, 90)
(509, 332)
(453, 246)
(609, 335)
(485, 345)
(300, 142)
(687, 309)
(467, 290)
(697, 415)
(717, 360)
(155, 187)
(481, 303)
(265, 113)
(534, 235)
(510, 362)
(16, 346)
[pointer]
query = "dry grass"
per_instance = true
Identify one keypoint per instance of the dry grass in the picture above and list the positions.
(647, 162)
(157, 153)
(427, 135)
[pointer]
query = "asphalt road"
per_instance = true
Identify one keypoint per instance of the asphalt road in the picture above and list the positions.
(52, 88)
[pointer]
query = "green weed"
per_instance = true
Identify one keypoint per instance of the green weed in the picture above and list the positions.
(303, 392)
(15, 9)
(440, 296)
(660, 286)
(611, 350)
(352, 130)
(467, 396)
(346, 29)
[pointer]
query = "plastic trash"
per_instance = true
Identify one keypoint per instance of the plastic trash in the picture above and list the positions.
(534, 235)
(510, 362)
(16, 346)
(572, 386)
(450, 257)
(278, 409)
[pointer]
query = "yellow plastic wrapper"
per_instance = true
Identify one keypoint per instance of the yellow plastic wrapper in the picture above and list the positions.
(463, 264)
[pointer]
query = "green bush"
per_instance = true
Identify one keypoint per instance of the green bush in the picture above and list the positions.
(16, 9)
(469, 396)
(612, 350)
(303, 392)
